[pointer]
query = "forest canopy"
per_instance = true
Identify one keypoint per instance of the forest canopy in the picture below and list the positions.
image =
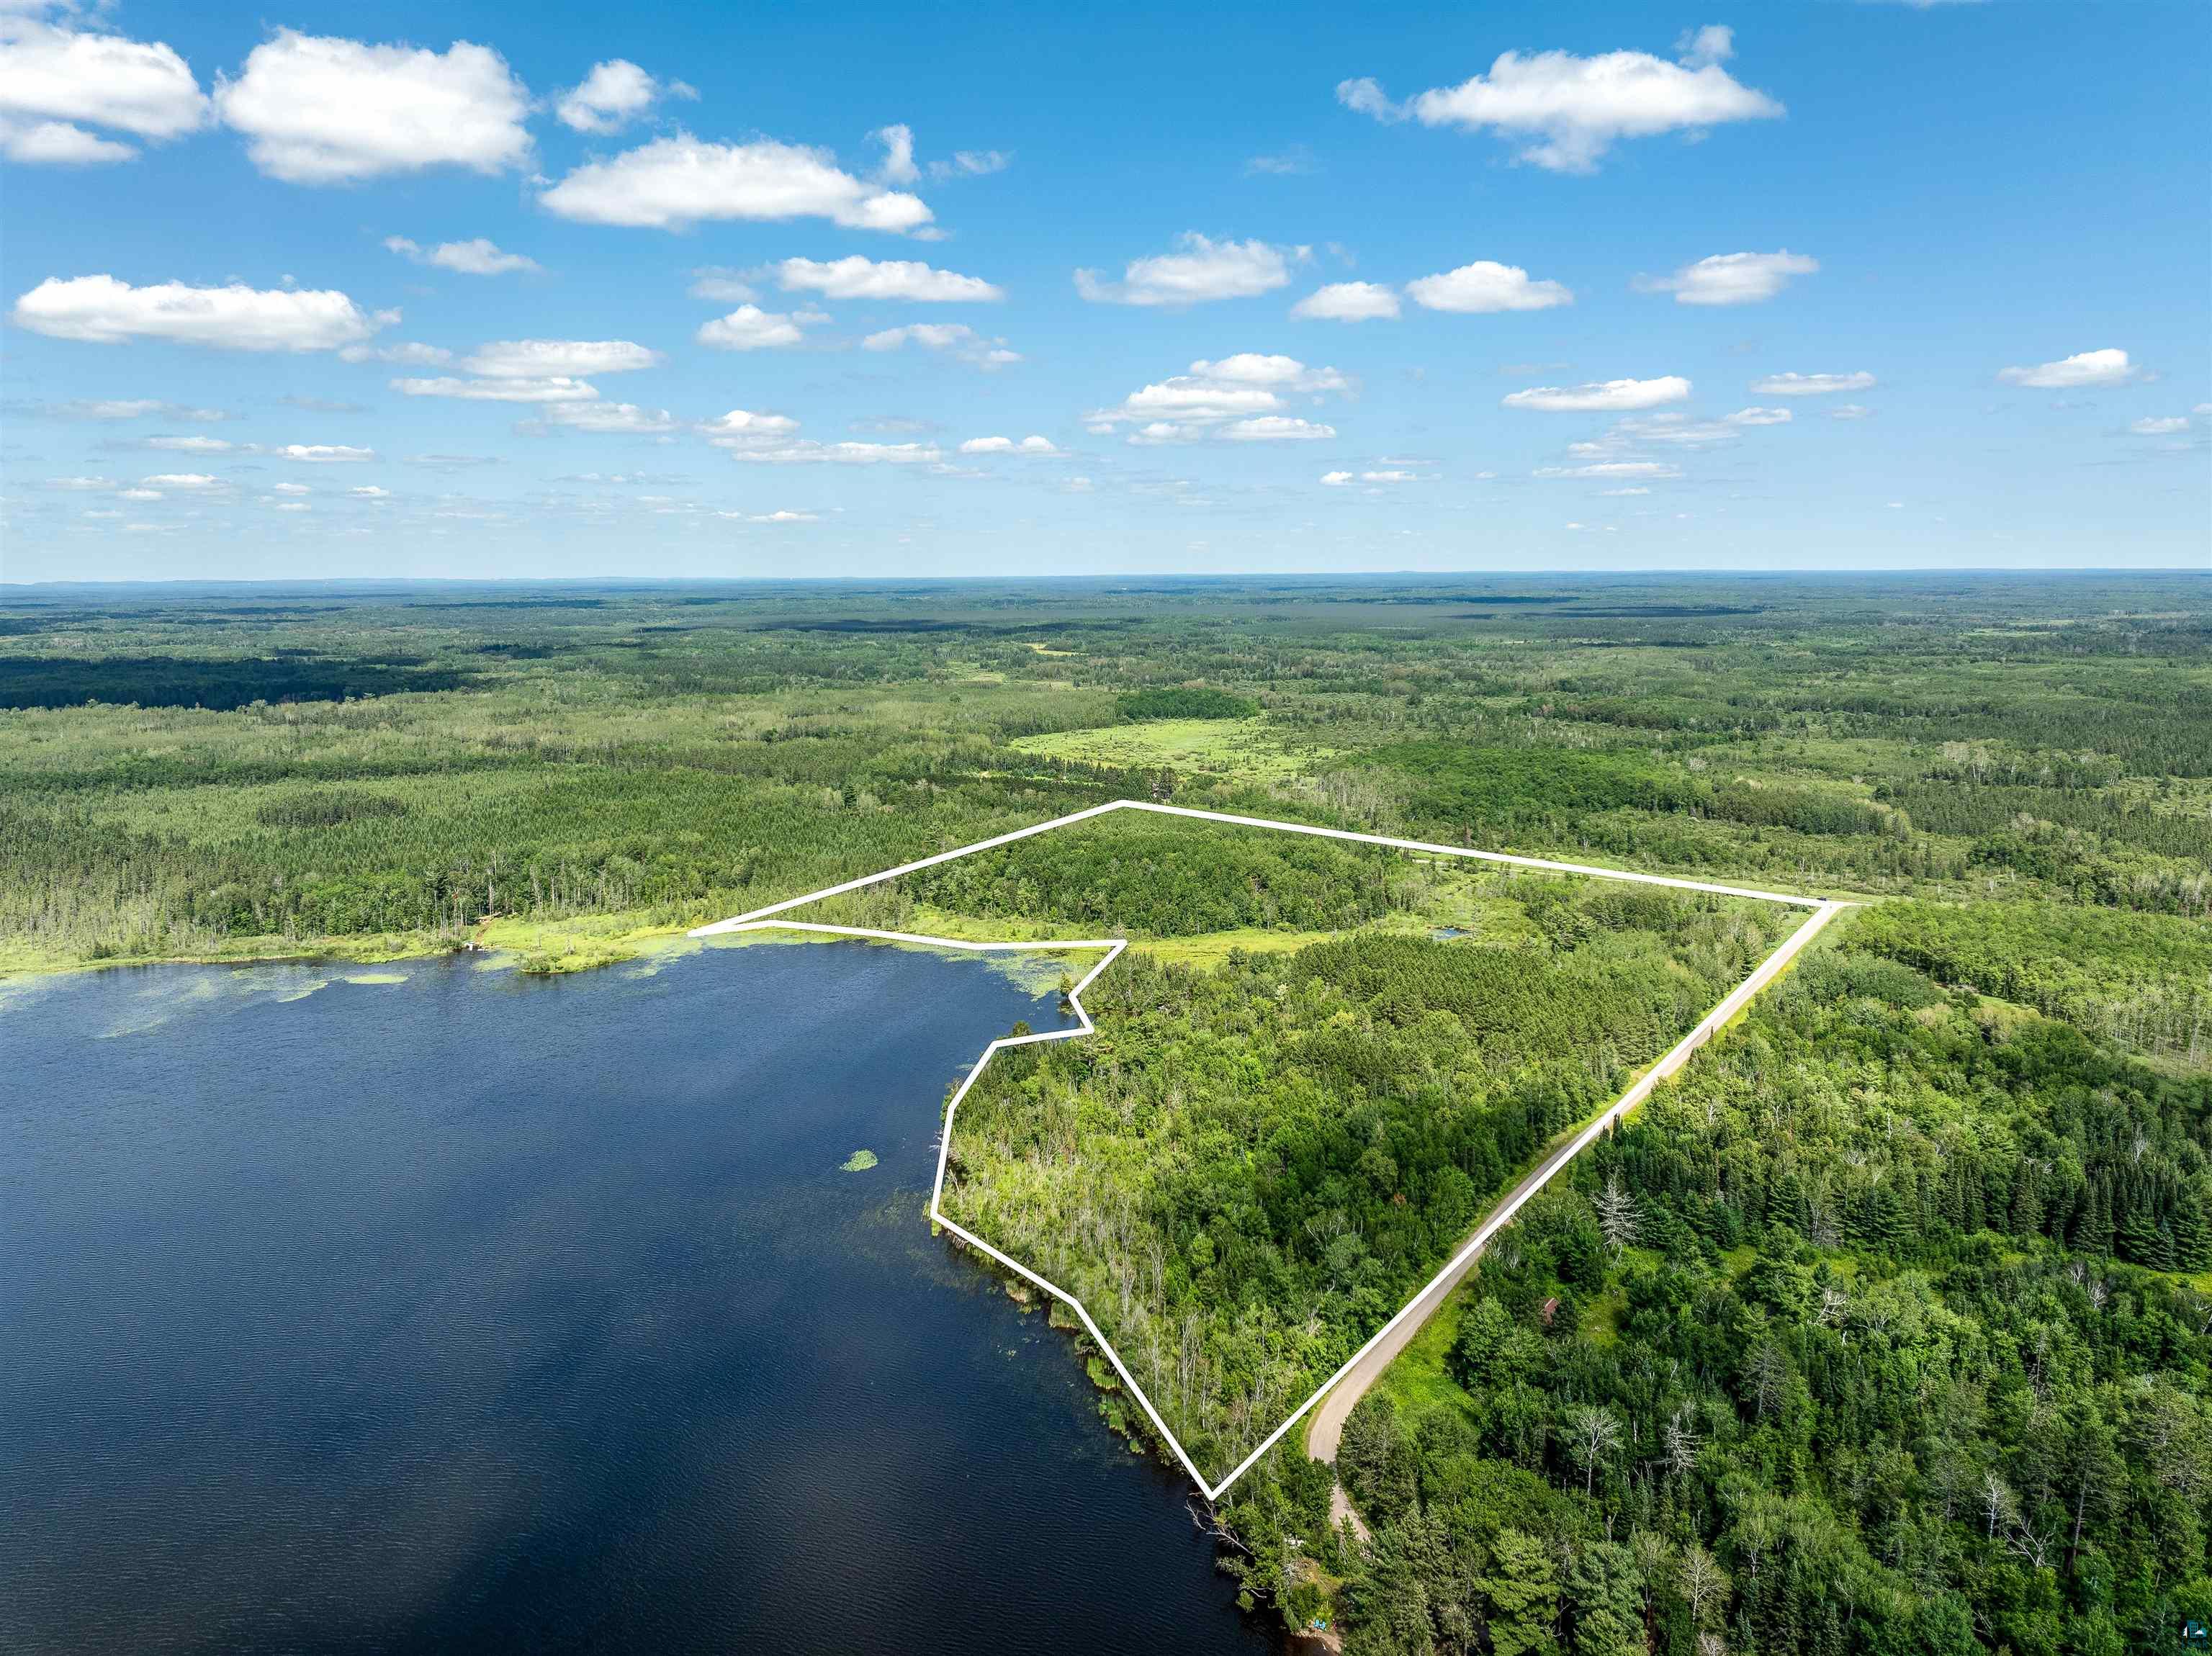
(1190, 701)
(1886, 1328)
(1883, 1331)
(1254, 1164)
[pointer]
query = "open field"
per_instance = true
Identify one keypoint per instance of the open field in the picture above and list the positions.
(1243, 749)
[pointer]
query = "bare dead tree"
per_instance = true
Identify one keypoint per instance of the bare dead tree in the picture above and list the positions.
(1616, 1216)
(2032, 1545)
(1704, 1583)
(1999, 1505)
(1682, 1444)
(1593, 1432)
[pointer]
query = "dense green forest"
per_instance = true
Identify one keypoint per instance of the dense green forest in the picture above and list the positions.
(1886, 1328)
(1251, 1166)
(1163, 879)
(565, 757)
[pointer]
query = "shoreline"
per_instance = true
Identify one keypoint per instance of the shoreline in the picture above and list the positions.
(591, 941)
(506, 948)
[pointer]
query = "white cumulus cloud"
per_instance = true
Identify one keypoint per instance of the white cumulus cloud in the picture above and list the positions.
(1730, 278)
(325, 453)
(748, 328)
(1564, 113)
(1242, 398)
(1204, 270)
(957, 338)
(58, 143)
(773, 439)
(2159, 426)
(611, 417)
(674, 182)
(479, 257)
(539, 359)
(52, 78)
(1187, 398)
(101, 309)
(1040, 446)
(615, 93)
(316, 109)
(742, 428)
(2084, 368)
(856, 278)
(1258, 368)
(1602, 397)
(1275, 429)
(1486, 286)
(1348, 301)
(1811, 385)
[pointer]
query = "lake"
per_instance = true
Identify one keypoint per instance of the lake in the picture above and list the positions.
(474, 1310)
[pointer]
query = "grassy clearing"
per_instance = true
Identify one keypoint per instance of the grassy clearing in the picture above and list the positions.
(581, 944)
(1244, 749)
(30, 957)
(1416, 1380)
(1212, 948)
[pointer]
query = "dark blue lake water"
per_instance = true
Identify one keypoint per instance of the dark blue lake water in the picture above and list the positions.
(480, 1312)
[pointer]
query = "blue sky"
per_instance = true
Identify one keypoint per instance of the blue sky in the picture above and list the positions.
(869, 291)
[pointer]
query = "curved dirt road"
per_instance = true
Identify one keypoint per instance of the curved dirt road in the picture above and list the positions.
(1325, 1428)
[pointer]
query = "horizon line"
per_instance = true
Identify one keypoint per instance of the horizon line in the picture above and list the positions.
(2203, 571)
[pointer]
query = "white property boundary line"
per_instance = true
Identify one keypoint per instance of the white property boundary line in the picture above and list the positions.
(760, 919)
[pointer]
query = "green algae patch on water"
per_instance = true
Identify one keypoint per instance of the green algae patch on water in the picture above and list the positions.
(159, 997)
(858, 1161)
